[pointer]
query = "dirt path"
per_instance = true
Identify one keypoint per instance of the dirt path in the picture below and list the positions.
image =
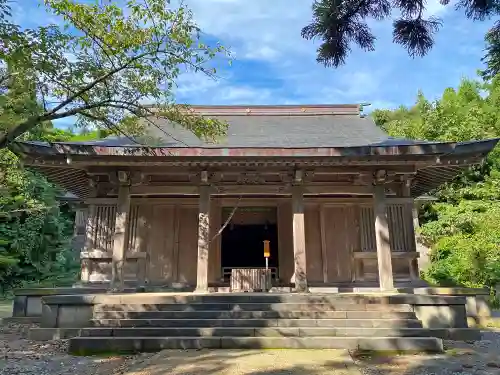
(461, 358)
(19, 356)
(479, 358)
(248, 362)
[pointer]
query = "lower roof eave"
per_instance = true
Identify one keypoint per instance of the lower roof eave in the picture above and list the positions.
(376, 150)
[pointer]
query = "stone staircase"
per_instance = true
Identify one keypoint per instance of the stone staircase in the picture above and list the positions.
(250, 321)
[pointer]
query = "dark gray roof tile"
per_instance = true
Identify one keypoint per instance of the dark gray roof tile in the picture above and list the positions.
(280, 132)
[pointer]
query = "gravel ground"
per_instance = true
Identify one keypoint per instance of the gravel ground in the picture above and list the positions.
(461, 358)
(21, 356)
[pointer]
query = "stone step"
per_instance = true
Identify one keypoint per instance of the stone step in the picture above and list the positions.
(269, 298)
(263, 314)
(95, 345)
(207, 323)
(251, 306)
(261, 332)
(49, 334)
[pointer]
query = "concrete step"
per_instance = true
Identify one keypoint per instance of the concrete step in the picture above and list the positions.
(207, 323)
(94, 345)
(261, 332)
(251, 306)
(263, 314)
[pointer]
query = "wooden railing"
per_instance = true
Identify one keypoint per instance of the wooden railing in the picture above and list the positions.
(250, 279)
(226, 272)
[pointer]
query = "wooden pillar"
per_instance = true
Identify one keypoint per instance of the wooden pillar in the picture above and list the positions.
(90, 228)
(203, 240)
(89, 244)
(382, 236)
(299, 240)
(120, 234)
(423, 251)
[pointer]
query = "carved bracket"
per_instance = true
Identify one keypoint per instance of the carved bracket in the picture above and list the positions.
(138, 178)
(120, 178)
(204, 177)
(250, 178)
(298, 177)
(383, 176)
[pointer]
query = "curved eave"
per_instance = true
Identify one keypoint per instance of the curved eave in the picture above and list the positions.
(427, 148)
(430, 178)
(443, 161)
(72, 180)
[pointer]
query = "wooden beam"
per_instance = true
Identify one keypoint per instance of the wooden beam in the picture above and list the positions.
(222, 189)
(164, 190)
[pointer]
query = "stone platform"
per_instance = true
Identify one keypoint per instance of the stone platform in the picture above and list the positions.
(27, 306)
(154, 321)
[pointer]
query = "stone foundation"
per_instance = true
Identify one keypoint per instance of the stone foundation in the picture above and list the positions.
(28, 302)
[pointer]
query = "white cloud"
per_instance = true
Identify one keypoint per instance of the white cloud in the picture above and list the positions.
(259, 28)
(274, 64)
(242, 94)
(32, 15)
(435, 8)
(191, 83)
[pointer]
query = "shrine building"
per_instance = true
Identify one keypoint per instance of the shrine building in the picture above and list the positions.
(331, 192)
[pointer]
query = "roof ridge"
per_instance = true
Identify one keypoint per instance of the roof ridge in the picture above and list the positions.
(278, 110)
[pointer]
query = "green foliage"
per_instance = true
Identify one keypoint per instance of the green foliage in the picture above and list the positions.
(342, 25)
(466, 240)
(35, 231)
(463, 226)
(102, 66)
(492, 56)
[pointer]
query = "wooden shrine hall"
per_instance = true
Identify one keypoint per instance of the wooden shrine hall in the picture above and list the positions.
(331, 192)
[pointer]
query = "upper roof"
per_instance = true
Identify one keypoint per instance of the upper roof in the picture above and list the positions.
(302, 136)
(284, 126)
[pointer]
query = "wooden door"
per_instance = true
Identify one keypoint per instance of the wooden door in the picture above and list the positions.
(314, 257)
(339, 232)
(161, 244)
(188, 244)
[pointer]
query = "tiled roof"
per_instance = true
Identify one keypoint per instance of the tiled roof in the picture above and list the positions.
(281, 132)
(269, 127)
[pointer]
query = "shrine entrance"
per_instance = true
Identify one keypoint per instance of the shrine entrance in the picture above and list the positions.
(242, 243)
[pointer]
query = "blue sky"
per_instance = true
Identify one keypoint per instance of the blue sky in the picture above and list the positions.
(272, 64)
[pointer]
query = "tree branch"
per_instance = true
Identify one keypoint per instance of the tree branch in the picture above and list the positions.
(31, 122)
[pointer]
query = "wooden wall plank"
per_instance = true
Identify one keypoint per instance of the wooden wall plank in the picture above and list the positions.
(161, 245)
(338, 243)
(214, 255)
(285, 238)
(188, 245)
(324, 254)
(314, 258)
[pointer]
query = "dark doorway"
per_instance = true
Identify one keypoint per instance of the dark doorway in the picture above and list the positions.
(242, 246)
